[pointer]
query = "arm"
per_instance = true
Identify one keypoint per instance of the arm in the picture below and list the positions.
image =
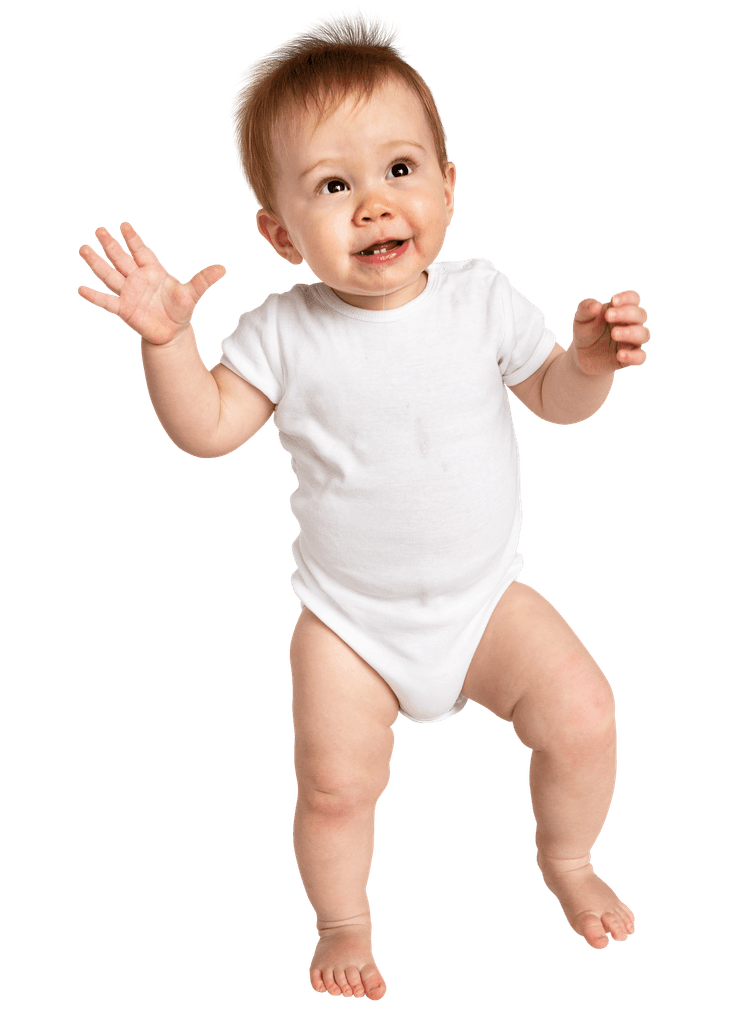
(568, 395)
(206, 413)
(570, 386)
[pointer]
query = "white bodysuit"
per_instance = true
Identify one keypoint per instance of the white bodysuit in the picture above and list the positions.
(400, 432)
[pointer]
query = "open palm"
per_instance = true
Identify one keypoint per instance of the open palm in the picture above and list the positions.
(154, 304)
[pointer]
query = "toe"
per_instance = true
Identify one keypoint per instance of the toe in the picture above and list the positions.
(341, 981)
(329, 982)
(353, 977)
(590, 926)
(316, 980)
(373, 983)
(613, 923)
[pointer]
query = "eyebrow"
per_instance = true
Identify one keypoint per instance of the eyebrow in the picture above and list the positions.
(386, 145)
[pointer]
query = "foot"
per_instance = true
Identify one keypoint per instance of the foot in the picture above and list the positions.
(343, 963)
(592, 908)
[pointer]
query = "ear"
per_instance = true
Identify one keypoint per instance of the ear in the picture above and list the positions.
(449, 176)
(277, 236)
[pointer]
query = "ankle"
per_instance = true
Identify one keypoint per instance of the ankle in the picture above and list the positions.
(547, 851)
(357, 921)
(561, 864)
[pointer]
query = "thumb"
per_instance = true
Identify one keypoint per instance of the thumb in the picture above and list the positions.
(205, 278)
(589, 310)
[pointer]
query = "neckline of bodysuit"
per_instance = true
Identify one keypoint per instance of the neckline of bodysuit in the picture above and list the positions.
(380, 315)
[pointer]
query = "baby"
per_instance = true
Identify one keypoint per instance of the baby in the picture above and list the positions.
(387, 380)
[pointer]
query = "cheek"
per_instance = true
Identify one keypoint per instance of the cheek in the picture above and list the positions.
(339, 228)
(423, 206)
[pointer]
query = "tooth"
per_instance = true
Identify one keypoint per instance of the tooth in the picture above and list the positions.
(374, 252)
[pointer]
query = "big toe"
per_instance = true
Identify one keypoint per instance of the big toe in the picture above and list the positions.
(590, 926)
(374, 985)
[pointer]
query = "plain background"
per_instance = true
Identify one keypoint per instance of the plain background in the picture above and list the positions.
(146, 866)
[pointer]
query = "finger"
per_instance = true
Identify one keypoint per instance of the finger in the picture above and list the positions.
(140, 252)
(634, 335)
(108, 302)
(625, 299)
(106, 274)
(588, 309)
(205, 278)
(630, 356)
(117, 256)
(628, 314)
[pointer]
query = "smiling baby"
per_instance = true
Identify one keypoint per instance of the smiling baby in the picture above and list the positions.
(388, 383)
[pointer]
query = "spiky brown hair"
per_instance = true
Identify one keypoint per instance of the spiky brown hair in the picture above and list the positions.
(344, 57)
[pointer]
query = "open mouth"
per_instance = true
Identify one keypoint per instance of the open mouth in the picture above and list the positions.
(382, 247)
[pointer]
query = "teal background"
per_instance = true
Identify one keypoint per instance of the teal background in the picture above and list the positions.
(146, 738)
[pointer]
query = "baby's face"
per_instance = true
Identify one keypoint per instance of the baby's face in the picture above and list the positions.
(366, 174)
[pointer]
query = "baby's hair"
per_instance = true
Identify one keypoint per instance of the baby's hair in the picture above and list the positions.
(338, 58)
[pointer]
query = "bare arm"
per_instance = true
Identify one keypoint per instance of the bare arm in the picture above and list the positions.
(206, 413)
(560, 392)
(568, 395)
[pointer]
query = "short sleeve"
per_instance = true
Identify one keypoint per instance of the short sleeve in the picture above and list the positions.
(253, 350)
(527, 342)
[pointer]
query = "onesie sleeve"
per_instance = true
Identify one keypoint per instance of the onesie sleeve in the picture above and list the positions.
(527, 342)
(253, 351)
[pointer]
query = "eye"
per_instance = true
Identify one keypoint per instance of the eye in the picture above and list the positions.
(334, 185)
(399, 170)
(403, 168)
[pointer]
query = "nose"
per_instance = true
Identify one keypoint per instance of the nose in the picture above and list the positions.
(373, 206)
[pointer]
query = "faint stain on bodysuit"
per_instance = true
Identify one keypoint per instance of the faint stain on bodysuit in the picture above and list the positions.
(423, 441)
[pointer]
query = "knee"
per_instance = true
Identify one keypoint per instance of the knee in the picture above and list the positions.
(588, 726)
(574, 716)
(328, 790)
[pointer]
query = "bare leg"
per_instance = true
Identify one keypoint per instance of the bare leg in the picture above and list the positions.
(571, 792)
(334, 848)
(343, 712)
(531, 669)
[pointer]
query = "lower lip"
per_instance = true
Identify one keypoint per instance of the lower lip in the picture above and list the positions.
(389, 256)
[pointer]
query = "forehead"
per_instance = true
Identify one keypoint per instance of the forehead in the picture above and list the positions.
(392, 110)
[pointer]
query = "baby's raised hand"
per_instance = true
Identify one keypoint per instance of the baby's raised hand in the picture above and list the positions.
(609, 336)
(145, 295)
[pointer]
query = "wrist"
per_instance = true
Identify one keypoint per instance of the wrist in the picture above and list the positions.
(180, 337)
(576, 365)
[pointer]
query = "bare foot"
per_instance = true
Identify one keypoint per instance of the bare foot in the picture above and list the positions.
(592, 908)
(343, 963)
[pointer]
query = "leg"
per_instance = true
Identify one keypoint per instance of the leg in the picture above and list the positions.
(531, 669)
(343, 712)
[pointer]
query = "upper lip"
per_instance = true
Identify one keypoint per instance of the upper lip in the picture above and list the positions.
(380, 241)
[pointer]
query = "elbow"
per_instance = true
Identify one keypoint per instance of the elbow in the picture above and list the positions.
(567, 422)
(197, 450)
(207, 453)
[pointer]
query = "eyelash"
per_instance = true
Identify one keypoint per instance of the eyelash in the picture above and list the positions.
(401, 160)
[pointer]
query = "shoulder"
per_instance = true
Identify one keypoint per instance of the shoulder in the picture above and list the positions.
(470, 284)
(467, 268)
(283, 305)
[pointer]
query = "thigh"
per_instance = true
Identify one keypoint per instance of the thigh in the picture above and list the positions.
(343, 711)
(531, 669)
